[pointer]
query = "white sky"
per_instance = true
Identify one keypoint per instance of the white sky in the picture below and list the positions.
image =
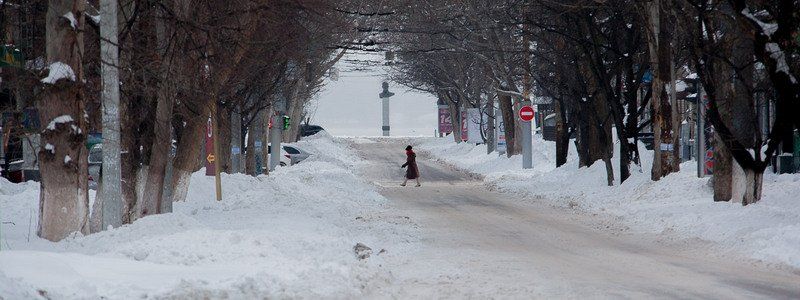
(351, 106)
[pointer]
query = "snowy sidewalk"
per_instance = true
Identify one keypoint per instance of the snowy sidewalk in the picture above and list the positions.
(679, 206)
(287, 235)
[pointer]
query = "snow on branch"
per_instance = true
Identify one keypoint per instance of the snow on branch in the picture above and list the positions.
(71, 18)
(779, 56)
(59, 120)
(94, 18)
(509, 93)
(58, 71)
(767, 28)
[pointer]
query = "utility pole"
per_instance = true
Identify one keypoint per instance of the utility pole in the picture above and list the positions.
(215, 137)
(700, 139)
(276, 133)
(527, 139)
(111, 174)
(385, 99)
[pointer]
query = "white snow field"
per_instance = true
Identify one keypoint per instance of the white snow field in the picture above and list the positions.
(680, 206)
(287, 235)
(293, 234)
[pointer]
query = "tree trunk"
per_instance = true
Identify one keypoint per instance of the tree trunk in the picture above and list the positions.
(295, 120)
(224, 137)
(754, 183)
(265, 141)
(631, 129)
(507, 110)
(491, 124)
(187, 159)
(591, 146)
(517, 145)
(162, 142)
(63, 197)
(294, 107)
(237, 134)
(250, 153)
(746, 184)
(455, 118)
(723, 171)
(129, 159)
(562, 134)
(296, 112)
(659, 50)
(669, 164)
(624, 156)
(676, 118)
(609, 170)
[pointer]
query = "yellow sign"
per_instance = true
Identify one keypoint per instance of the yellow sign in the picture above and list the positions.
(210, 158)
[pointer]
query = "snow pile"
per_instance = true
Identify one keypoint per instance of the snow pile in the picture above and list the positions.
(325, 147)
(288, 235)
(473, 158)
(679, 205)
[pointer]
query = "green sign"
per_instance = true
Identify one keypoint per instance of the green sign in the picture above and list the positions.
(10, 56)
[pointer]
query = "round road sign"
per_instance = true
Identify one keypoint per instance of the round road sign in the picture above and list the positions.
(526, 113)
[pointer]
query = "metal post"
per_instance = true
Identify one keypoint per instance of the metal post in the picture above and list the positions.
(217, 179)
(701, 135)
(275, 137)
(527, 144)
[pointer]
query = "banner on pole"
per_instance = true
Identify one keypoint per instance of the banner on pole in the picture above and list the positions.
(445, 120)
(500, 134)
(474, 126)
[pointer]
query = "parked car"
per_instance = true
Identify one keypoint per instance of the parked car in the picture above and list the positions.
(286, 159)
(95, 165)
(308, 130)
(295, 154)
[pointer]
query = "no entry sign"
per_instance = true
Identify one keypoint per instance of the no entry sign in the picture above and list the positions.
(526, 113)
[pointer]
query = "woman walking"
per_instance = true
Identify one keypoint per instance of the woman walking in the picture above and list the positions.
(411, 162)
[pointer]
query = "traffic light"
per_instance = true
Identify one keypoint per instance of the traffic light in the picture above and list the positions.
(286, 122)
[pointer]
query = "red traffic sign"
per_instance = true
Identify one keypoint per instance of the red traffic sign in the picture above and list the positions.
(526, 113)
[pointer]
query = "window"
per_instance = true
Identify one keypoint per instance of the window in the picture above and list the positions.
(291, 150)
(96, 155)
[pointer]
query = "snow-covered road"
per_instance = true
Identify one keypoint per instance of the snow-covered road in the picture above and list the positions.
(479, 243)
(297, 233)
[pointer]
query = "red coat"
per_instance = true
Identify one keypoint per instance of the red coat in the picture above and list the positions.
(411, 162)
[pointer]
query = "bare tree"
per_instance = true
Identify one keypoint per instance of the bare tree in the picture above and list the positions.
(64, 195)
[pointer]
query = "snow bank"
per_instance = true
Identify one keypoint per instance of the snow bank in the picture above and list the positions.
(287, 235)
(680, 204)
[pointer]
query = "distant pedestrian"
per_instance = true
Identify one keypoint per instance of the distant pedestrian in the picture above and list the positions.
(411, 162)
